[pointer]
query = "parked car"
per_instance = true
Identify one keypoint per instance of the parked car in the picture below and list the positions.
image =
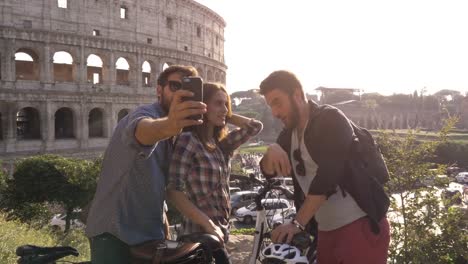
(272, 206)
(233, 190)
(284, 217)
(241, 199)
(58, 221)
(462, 177)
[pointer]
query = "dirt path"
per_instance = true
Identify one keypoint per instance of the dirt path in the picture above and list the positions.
(239, 247)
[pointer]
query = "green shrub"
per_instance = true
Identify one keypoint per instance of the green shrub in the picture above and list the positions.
(453, 152)
(49, 179)
(422, 230)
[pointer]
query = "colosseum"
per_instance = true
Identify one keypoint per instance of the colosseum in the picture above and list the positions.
(70, 70)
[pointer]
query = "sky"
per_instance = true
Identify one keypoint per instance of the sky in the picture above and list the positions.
(391, 46)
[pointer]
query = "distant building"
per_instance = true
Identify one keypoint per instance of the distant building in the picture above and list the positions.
(324, 93)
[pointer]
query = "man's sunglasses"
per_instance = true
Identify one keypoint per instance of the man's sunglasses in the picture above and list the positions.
(300, 168)
(174, 85)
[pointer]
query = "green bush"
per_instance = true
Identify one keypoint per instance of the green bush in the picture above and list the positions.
(453, 152)
(14, 234)
(43, 180)
(422, 230)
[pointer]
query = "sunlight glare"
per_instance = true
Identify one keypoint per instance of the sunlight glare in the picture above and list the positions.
(21, 56)
(94, 61)
(146, 67)
(62, 57)
(122, 64)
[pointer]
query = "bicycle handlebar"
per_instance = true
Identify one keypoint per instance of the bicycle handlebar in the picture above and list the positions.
(267, 186)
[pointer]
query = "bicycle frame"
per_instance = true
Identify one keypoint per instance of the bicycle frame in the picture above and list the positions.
(263, 226)
(258, 236)
(261, 223)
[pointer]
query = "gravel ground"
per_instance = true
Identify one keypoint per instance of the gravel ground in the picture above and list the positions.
(240, 246)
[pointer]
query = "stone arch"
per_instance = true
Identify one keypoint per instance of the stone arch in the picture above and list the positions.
(96, 123)
(94, 66)
(165, 65)
(201, 73)
(64, 69)
(28, 123)
(122, 113)
(27, 64)
(223, 77)
(64, 123)
(146, 73)
(209, 76)
(122, 71)
(217, 77)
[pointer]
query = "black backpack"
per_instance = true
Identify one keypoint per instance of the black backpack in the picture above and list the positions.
(367, 154)
(367, 173)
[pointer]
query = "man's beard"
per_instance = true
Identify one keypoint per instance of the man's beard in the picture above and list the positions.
(293, 115)
(165, 105)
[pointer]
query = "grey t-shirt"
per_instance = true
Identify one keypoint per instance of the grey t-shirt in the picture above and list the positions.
(338, 210)
(130, 193)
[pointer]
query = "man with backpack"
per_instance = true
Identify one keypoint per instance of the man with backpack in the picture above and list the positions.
(337, 171)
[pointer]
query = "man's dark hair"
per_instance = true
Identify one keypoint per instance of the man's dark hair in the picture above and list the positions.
(282, 80)
(183, 70)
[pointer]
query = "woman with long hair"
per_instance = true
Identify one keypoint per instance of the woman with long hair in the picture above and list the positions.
(198, 182)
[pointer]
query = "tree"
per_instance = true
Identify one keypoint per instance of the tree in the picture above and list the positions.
(42, 180)
(422, 230)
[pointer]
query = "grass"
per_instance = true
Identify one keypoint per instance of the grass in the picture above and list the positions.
(243, 231)
(425, 135)
(252, 150)
(14, 234)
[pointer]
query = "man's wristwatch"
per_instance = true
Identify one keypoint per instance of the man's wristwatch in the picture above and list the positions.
(298, 225)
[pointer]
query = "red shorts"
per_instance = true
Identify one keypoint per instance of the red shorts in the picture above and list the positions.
(354, 243)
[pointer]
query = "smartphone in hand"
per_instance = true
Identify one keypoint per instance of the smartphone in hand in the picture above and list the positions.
(195, 85)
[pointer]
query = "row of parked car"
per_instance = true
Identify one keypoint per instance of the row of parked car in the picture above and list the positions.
(462, 177)
(278, 209)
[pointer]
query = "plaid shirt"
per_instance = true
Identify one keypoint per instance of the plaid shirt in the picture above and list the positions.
(204, 175)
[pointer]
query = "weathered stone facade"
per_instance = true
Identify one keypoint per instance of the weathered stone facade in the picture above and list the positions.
(47, 106)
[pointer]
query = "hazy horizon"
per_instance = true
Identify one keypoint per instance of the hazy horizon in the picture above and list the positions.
(377, 46)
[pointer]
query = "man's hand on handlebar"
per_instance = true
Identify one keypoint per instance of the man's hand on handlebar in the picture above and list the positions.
(284, 233)
(276, 161)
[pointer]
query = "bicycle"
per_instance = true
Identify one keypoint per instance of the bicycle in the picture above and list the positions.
(302, 248)
(194, 248)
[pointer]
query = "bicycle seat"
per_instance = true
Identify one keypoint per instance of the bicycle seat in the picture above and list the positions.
(208, 240)
(30, 250)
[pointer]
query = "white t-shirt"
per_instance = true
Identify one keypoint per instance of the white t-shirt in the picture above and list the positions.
(337, 211)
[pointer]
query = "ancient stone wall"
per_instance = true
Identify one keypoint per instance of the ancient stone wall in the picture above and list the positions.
(61, 87)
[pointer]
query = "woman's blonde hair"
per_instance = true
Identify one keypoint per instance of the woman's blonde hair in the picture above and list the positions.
(201, 131)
